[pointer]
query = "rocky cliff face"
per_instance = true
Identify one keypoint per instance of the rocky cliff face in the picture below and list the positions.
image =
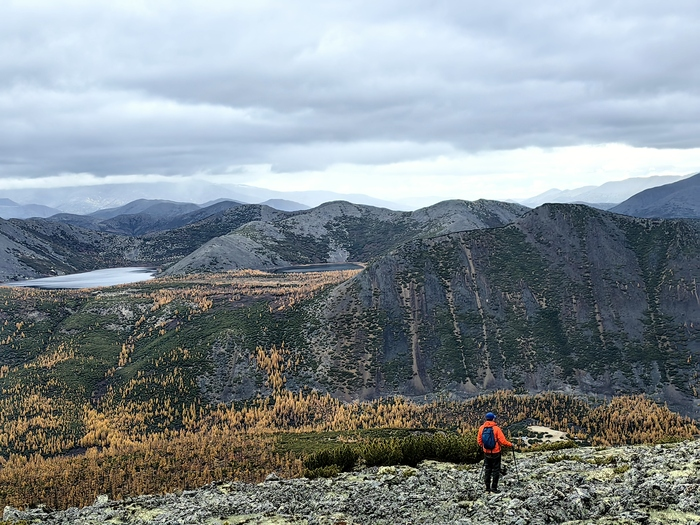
(567, 298)
(655, 485)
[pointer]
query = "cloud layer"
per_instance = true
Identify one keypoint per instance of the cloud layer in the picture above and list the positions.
(181, 88)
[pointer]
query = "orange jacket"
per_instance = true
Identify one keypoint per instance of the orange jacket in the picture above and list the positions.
(497, 433)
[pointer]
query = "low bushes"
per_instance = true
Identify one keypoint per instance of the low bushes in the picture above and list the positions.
(409, 451)
(344, 457)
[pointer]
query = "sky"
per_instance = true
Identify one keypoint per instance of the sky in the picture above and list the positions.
(395, 99)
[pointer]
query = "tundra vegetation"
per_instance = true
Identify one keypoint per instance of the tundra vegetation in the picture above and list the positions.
(174, 383)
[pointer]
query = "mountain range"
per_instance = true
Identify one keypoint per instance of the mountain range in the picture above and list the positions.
(677, 200)
(226, 235)
(460, 297)
(144, 216)
(83, 200)
(339, 232)
(604, 196)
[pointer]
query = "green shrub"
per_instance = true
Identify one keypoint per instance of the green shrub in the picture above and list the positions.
(556, 445)
(344, 457)
(382, 453)
(457, 448)
(414, 449)
(409, 450)
(621, 469)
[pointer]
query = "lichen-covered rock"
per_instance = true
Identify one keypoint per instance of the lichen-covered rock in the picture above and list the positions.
(626, 485)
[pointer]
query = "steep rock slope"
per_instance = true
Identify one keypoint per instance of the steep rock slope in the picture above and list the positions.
(567, 297)
(340, 231)
(678, 200)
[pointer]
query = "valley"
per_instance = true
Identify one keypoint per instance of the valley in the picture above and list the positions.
(274, 263)
(176, 382)
(227, 365)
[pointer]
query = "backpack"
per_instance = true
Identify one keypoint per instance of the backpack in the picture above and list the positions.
(488, 438)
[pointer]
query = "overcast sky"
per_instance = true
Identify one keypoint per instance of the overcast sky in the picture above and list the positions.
(390, 98)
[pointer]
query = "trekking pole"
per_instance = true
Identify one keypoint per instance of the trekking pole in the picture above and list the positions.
(516, 465)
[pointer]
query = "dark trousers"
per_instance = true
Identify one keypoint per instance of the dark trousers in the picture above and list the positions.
(492, 470)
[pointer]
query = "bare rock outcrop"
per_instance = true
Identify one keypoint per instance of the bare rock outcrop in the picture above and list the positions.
(626, 485)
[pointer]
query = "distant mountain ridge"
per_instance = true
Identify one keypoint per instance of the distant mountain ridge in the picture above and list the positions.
(154, 207)
(9, 209)
(339, 232)
(144, 216)
(678, 200)
(230, 235)
(82, 200)
(605, 195)
(285, 205)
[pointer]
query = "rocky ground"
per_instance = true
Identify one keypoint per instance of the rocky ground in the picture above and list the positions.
(626, 485)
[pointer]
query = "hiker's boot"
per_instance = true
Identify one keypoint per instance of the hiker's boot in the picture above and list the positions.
(488, 489)
(494, 488)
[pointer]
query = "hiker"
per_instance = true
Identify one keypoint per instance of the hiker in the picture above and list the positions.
(491, 439)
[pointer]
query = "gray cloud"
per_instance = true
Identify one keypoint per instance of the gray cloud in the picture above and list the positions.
(178, 87)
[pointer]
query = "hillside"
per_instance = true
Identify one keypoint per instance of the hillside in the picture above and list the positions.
(173, 244)
(70, 244)
(678, 200)
(338, 232)
(567, 297)
(624, 485)
(173, 383)
(38, 248)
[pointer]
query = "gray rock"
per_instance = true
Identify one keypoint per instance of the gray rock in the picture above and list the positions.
(585, 486)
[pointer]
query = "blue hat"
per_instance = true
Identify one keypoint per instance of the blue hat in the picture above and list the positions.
(490, 416)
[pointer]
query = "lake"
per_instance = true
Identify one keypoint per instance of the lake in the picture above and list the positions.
(94, 279)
